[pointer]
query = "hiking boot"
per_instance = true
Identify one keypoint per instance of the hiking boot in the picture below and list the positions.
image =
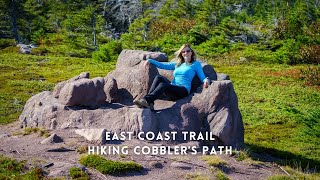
(142, 103)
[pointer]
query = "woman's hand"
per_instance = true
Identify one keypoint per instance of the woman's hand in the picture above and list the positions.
(146, 64)
(206, 83)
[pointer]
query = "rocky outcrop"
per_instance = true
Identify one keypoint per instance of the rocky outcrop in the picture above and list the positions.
(84, 92)
(60, 85)
(106, 103)
(26, 49)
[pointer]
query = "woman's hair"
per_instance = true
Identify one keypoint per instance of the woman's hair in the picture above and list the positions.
(180, 57)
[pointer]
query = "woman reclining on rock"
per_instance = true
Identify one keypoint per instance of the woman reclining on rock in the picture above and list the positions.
(184, 71)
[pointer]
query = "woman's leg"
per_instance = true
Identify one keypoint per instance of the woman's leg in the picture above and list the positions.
(177, 91)
(156, 81)
(148, 100)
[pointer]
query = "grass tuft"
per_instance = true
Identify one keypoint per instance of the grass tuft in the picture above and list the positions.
(196, 176)
(82, 149)
(241, 155)
(108, 166)
(221, 176)
(214, 161)
(13, 169)
(77, 174)
(28, 131)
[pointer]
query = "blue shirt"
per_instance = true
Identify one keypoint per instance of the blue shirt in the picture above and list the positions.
(182, 75)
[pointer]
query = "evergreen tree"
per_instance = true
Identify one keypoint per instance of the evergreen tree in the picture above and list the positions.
(35, 26)
(11, 13)
(5, 20)
(209, 12)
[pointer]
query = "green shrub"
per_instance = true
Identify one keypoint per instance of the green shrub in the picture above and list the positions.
(38, 36)
(40, 51)
(76, 173)
(169, 44)
(55, 39)
(256, 53)
(108, 52)
(196, 37)
(9, 166)
(35, 173)
(12, 169)
(311, 75)
(108, 166)
(80, 53)
(6, 43)
(289, 52)
(214, 46)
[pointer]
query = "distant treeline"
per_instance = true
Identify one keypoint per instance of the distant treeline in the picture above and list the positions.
(284, 31)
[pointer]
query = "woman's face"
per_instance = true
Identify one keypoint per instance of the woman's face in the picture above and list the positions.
(186, 54)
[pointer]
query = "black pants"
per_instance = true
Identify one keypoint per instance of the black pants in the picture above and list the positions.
(160, 86)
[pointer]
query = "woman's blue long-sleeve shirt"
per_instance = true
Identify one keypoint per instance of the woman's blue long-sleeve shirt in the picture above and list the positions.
(182, 75)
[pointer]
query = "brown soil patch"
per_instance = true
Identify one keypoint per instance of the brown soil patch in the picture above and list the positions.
(291, 73)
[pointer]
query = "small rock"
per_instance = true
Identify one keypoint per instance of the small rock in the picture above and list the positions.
(62, 149)
(60, 169)
(149, 157)
(95, 135)
(4, 136)
(155, 164)
(243, 60)
(48, 165)
(221, 77)
(52, 139)
(180, 165)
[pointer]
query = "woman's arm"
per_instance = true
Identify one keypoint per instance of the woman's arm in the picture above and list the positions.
(162, 65)
(200, 74)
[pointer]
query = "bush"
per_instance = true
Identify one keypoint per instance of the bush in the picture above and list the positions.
(80, 53)
(12, 169)
(214, 46)
(196, 37)
(289, 52)
(162, 27)
(107, 166)
(9, 167)
(76, 173)
(310, 54)
(108, 52)
(169, 44)
(6, 43)
(256, 53)
(55, 39)
(311, 74)
(40, 51)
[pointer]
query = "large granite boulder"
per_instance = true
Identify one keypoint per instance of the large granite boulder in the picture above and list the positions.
(60, 85)
(107, 103)
(83, 92)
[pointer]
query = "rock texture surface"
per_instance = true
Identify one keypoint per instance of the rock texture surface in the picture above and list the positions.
(107, 103)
